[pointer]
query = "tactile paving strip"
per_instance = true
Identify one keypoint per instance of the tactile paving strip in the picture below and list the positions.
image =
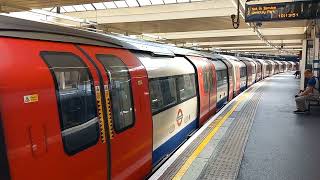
(174, 167)
(225, 164)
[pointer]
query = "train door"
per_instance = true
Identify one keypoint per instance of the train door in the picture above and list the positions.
(50, 112)
(126, 90)
(205, 81)
(230, 79)
(213, 88)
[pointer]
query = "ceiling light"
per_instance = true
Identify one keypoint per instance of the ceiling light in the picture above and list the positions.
(110, 5)
(132, 3)
(99, 6)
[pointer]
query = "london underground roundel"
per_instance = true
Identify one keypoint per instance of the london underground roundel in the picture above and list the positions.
(179, 117)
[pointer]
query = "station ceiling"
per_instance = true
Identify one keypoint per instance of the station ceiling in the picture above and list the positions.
(189, 23)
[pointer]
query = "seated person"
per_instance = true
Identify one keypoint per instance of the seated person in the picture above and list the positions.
(310, 93)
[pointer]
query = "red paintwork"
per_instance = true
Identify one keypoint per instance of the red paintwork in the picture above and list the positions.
(132, 149)
(32, 131)
(208, 100)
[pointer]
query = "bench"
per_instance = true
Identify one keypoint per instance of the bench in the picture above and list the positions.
(313, 102)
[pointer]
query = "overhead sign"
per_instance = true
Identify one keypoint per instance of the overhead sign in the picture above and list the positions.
(282, 11)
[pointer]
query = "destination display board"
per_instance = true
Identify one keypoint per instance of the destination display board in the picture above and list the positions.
(282, 11)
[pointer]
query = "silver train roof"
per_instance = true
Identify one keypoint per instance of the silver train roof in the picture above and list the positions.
(20, 28)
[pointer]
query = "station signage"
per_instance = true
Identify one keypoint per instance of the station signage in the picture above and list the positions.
(296, 10)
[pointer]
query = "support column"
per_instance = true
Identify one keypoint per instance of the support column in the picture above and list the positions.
(303, 63)
(316, 57)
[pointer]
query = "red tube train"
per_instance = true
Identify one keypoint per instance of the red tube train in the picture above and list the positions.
(83, 105)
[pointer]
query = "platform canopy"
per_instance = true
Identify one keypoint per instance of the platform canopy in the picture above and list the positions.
(190, 23)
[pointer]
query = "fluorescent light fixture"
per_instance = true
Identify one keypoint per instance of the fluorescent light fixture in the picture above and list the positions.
(144, 2)
(110, 5)
(121, 4)
(89, 7)
(79, 7)
(99, 6)
(132, 3)
(157, 2)
(183, 1)
(170, 1)
(69, 8)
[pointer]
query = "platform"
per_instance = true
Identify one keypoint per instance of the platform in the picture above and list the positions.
(256, 136)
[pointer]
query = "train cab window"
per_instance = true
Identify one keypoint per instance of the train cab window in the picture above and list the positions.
(76, 100)
(186, 86)
(163, 93)
(120, 91)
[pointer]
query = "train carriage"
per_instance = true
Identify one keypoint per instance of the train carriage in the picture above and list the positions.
(251, 71)
(264, 68)
(172, 86)
(235, 72)
(277, 67)
(222, 83)
(97, 106)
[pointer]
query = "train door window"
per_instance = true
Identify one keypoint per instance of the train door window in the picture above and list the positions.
(207, 76)
(210, 76)
(224, 74)
(219, 78)
(205, 79)
(186, 86)
(163, 93)
(76, 100)
(243, 72)
(120, 91)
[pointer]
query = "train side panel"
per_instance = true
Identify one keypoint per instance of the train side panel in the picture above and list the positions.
(126, 83)
(207, 87)
(174, 102)
(48, 147)
(222, 83)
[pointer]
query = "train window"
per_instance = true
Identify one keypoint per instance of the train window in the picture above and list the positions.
(76, 100)
(224, 76)
(243, 72)
(120, 91)
(219, 78)
(163, 93)
(253, 69)
(186, 86)
(205, 79)
(210, 76)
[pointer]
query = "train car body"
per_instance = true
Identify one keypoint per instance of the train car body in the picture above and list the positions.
(264, 68)
(222, 83)
(243, 76)
(281, 66)
(293, 66)
(235, 65)
(94, 106)
(277, 67)
(259, 72)
(172, 86)
(207, 87)
(251, 70)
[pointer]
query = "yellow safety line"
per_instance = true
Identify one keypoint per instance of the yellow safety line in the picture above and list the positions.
(203, 144)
